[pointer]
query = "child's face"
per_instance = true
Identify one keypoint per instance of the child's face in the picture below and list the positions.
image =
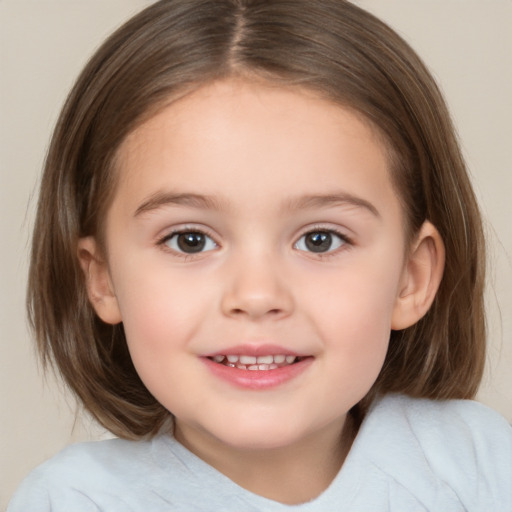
(255, 221)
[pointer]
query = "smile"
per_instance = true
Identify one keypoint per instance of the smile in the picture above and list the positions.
(261, 371)
(263, 363)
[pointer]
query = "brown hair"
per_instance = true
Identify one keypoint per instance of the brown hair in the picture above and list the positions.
(328, 46)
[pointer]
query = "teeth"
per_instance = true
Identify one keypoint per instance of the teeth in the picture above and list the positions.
(244, 362)
(265, 360)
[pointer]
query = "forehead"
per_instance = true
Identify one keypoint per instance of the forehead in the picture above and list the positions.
(234, 139)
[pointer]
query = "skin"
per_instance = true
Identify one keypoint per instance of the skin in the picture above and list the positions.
(259, 154)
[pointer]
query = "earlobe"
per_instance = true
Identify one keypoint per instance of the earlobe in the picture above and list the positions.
(422, 274)
(98, 282)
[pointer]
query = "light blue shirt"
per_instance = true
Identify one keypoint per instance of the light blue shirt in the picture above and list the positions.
(410, 455)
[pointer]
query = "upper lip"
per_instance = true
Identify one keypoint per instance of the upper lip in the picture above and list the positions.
(256, 350)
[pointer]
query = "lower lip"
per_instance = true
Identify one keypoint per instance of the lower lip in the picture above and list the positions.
(258, 379)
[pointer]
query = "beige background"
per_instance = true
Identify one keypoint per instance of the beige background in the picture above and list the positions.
(43, 45)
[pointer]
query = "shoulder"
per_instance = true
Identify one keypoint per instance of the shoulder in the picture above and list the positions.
(460, 446)
(478, 422)
(93, 461)
(455, 425)
(79, 472)
(127, 476)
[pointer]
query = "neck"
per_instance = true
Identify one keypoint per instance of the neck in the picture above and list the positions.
(292, 474)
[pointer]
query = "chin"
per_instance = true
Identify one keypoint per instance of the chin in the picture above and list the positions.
(262, 435)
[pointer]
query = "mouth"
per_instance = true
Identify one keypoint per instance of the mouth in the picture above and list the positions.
(262, 363)
(257, 368)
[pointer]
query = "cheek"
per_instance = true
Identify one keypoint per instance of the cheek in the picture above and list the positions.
(159, 308)
(356, 337)
(358, 299)
(160, 320)
(352, 312)
(360, 327)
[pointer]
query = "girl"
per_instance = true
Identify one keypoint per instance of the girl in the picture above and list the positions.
(258, 261)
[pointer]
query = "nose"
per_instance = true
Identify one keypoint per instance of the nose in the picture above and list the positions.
(257, 288)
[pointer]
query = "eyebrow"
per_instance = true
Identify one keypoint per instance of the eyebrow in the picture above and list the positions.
(161, 199)
(327, 200)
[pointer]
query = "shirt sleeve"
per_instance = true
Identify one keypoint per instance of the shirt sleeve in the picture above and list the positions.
(30, 495)
(36, 494)
(469, 447)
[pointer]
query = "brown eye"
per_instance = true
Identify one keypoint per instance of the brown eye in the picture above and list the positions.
(190, 242)
(320, 241)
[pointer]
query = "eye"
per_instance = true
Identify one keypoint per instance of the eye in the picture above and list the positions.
(320, 241)
(190, 242)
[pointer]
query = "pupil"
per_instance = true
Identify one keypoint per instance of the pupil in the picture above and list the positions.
(191, 242)
(319, 242)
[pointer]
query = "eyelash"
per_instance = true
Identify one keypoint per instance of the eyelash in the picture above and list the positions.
(346, 241)
(162, 242)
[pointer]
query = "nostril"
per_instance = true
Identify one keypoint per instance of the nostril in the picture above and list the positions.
(256, 299)
(256, 312)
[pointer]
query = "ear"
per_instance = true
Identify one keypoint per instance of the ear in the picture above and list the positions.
(97, 278)
(422, 274)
